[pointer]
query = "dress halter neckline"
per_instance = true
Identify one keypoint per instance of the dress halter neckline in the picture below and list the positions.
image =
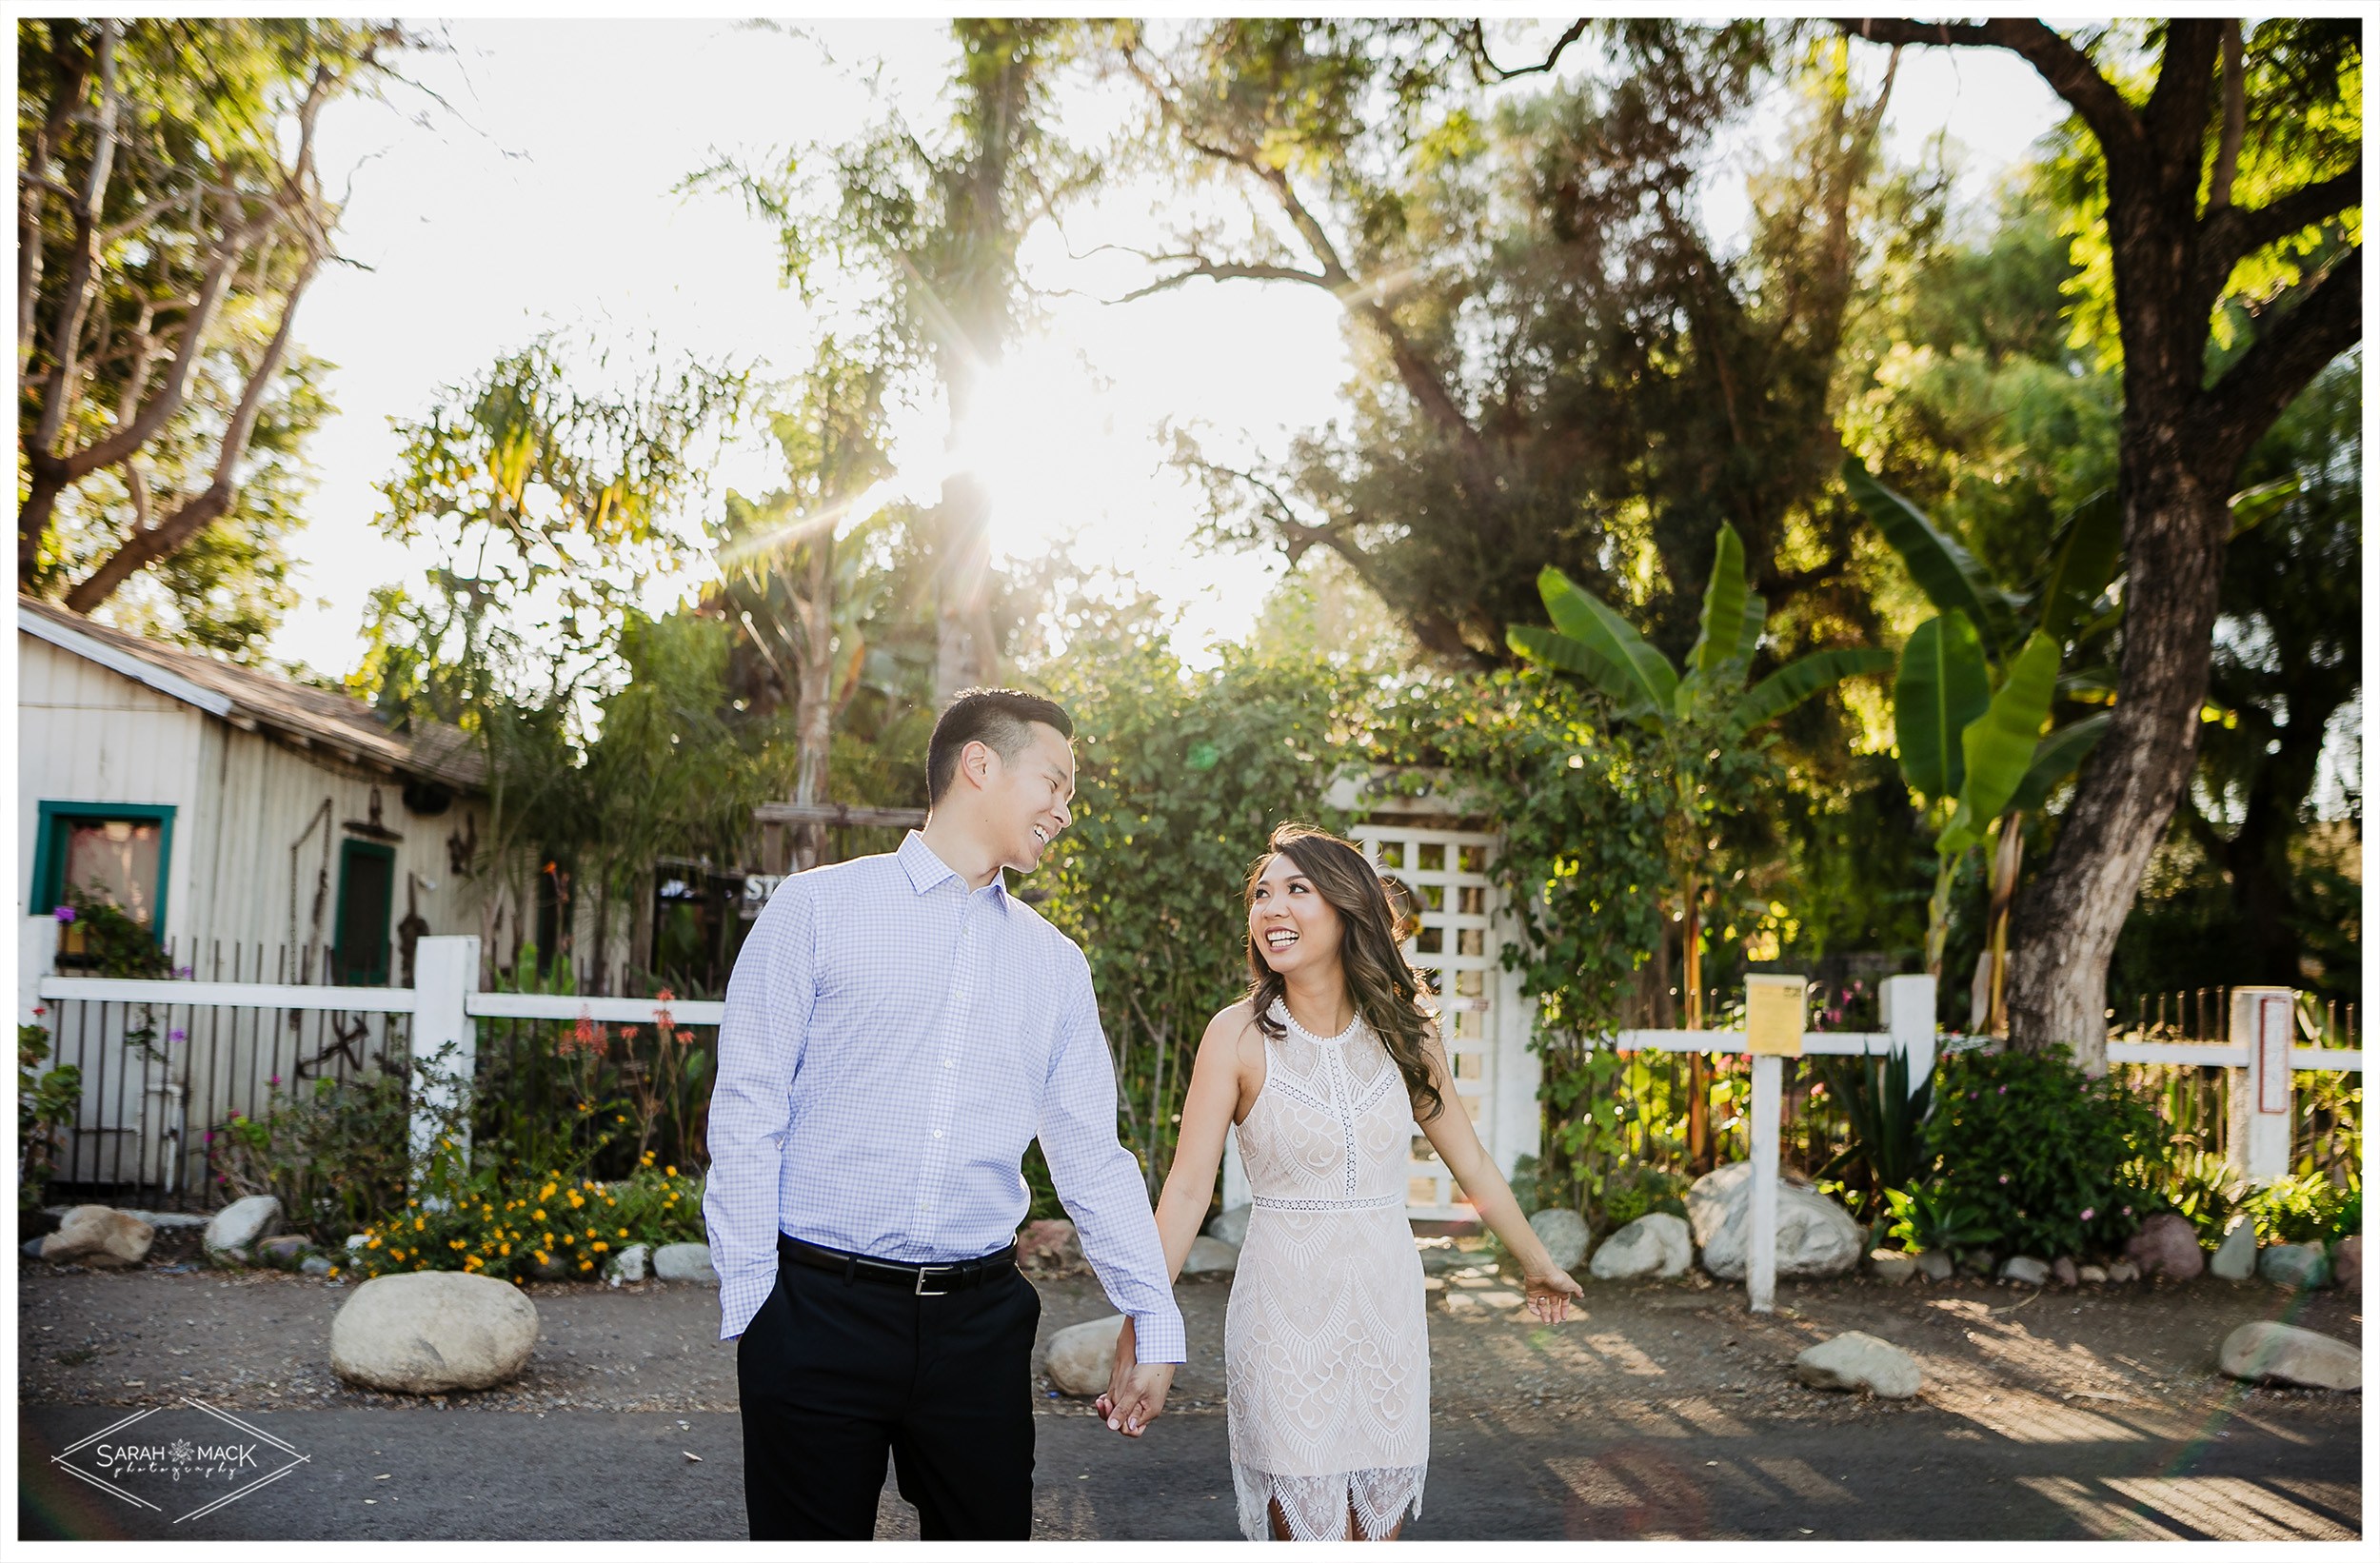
(1282, 1006)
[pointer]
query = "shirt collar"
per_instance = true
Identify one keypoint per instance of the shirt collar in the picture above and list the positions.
(927, 872)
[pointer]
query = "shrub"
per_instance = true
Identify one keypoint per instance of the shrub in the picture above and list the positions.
(334, 1155)
(45, 1103)
(1631, 1193)
(2050, 1157)
(2306, 1209)
(520, 1229)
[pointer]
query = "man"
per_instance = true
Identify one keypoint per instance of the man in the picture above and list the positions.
(897, 1029)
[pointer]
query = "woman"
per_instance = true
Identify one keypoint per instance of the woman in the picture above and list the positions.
(1325, 1068)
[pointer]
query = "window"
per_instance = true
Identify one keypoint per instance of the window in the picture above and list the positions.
(118, 852)
(367, 882)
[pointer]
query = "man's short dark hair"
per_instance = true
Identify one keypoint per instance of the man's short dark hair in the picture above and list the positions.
(1001, 720)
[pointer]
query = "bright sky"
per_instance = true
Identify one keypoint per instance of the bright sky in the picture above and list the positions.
(542, 197)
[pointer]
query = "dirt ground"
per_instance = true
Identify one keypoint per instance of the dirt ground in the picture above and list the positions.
(1661, 1357)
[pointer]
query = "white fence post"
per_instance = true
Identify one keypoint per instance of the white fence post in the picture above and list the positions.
(36, 955)
(1907, 1005)
(2264, 1021)
(446, 970)
(1768, 1080)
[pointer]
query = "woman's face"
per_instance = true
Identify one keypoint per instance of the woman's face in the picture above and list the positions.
(1293, 927)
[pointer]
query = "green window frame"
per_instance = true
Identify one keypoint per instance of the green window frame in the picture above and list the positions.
(374, 972)
(48, 886)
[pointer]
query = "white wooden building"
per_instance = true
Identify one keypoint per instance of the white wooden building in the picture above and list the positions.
(247, 818)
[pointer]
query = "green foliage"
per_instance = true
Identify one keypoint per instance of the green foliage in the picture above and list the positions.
(334, 1155)
(2045, 1154)
(1929, 1220)
(521, 1226)
(1632, 1192)
(111, 942)
(1887, 1148)
(47, 1100)
(1180, 777)
(2309, 1208)
(2198, 1185)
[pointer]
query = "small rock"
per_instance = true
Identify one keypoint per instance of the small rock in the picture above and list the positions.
(432, 1331)
(2095, 1275)
(1081, 1354)
(2167, 1245)
(1048, 1245)
(1659, 1245)
(356, 1240)
(1815, 1235)
(99, 1236)
(2123, 1271)
(1855, 1360)
(2063, 1272)
(2298, 1266)
(1888, 1264)
(1231, 1226)
(2346, 1259)
(1936, 1266)
(1564, 1235)
(170, 1220)
(1210, 1256)
(2235, 1256)
(314, 1264)
(1979, 1261)
(284, 1251)
(2262, 1349)
(684, 1262)
(2025, 1271)
(30, 1248)
(237, 1227)
(630, 1264)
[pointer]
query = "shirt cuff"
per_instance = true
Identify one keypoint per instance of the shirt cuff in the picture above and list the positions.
(1159, 1337)
(740, 1298)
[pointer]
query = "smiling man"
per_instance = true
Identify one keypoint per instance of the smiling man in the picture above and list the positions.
(898, 1029)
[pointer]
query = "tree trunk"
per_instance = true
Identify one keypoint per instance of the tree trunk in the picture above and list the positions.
(814, 701)
(2175, 521)
(965, 655)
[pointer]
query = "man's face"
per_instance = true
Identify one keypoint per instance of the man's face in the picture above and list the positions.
(1025, 798)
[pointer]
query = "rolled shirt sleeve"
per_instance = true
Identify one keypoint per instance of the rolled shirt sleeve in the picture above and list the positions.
(1099, 1181)
(762, 1031)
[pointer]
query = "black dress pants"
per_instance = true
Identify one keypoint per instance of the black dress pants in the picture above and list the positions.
(833, 1372)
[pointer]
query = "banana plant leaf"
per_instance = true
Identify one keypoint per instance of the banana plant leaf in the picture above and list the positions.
(1951, 577)
(1722, 605)
(1797, 682)
(1584, 617)
(1999, 744)
(2087, 556)
(1944, 684)
(2057, 758)
(1582, 661)
(2250, 507)
(1755, 621)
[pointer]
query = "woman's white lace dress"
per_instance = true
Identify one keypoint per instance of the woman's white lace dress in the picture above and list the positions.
(1326, 1345)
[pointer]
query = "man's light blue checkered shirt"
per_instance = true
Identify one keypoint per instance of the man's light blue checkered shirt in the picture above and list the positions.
(891, 1043)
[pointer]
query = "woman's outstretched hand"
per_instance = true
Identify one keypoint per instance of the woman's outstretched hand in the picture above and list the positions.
(1550, 1294)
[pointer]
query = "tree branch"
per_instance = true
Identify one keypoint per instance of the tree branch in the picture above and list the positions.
(2233, 233)
(1474, 37)
(2228, 418)
(1228, 270)
(2067, 69)
(2234, 118)
(82, 273)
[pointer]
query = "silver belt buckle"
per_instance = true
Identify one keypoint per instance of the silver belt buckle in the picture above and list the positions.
(924, 1271)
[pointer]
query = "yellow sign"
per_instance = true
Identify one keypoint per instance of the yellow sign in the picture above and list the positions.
(1773, 1015)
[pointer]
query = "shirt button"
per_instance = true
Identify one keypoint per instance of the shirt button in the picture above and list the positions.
(946, 1063)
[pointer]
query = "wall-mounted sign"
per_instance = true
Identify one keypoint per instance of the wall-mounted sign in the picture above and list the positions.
(1773, 1014)
(757, 889)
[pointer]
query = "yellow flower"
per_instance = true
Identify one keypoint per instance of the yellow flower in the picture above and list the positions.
(537, 1215)
(624, 1232)
(503, 1249)
(586, 1264)
(670, 1172)
(546, 1192)
(647, 1159)
(372, 1242)
(335, 1269)
(548, 1239)
(620, 1117)
(568, 1239)
(420, 1222)
(544, 1257)
(600, 1246)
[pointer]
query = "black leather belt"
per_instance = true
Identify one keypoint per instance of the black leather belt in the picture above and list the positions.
(925, 1280)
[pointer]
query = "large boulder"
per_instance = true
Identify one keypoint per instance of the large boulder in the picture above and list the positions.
(1231, 1226)
(239, 1225)
(684, 1262)
(99, 1236)
(2262, 1350)
(2298, 1266)
(2346, 1259)
(432, 1331)
(1658, 1245)
(2235, 1256)
(1815, 1235)
(1081, 1356)
(1564, 1235)
(1210, 1256)
(2167, 1245)
(1855, 1360)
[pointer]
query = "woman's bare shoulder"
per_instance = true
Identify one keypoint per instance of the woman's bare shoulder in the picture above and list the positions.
(1234, 1025)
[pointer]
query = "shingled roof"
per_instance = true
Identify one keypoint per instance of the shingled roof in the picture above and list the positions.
(337, 725)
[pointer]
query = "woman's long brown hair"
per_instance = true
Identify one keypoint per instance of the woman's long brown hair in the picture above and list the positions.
(1385, 990)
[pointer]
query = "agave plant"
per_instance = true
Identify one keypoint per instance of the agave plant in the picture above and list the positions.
(1707, 701)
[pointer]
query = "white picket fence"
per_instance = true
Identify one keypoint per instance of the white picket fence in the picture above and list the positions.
(446, 1001)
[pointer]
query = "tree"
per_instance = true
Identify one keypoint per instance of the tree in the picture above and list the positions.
(171, 219)
(1556, 365)
(2179, 166)
(1700, 721)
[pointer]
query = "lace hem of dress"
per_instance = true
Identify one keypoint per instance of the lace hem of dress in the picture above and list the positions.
(1317, 1506)
(1379, 1202)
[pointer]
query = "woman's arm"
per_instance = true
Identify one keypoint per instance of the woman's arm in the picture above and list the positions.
(1458, 1144)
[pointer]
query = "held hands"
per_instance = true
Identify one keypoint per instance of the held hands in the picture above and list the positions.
(1549, 1292)
(1135, 1390)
